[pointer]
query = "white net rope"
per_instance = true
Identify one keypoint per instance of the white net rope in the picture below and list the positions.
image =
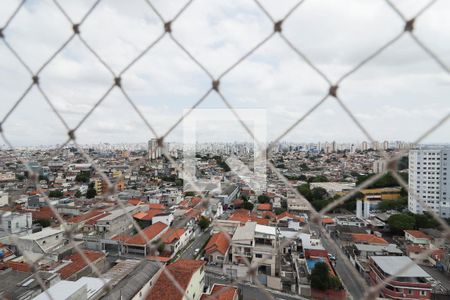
(166, 33)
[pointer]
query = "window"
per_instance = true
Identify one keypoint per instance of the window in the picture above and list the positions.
(423, 293)
(257, 255)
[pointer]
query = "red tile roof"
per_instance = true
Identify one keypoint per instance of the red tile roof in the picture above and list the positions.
(193, 213)
(238, 202)
(221, 292)
(162, 259)
(244, 216)
(290, 216)
(43, 213)
(368, 238)
(93, 220)
(195, 201)
(86, 216)
(414, 249)
(18, 266)
(217, 242)
(150, 232)
(418, 234)
(172, 234)
(134, 201)
(77, 262)
(269, 215)
(156, 206)
(181, 271)
(147, 215)
(264, 206)
(327, 221)
(316, 253)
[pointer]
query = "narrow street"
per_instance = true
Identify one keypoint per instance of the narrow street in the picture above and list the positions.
(198, 242)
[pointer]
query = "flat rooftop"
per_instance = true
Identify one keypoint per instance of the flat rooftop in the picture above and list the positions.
(244, 233)
(42, 234)
(393, 264)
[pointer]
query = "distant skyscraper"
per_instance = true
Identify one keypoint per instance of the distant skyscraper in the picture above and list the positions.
(154, 151)
(385, 145)
(375, 145)
(364, 146)
(379, 166)
(429, 178)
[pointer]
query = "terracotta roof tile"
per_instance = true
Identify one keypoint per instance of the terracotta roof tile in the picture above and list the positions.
(230, 293)
(150, 232)
(264, 206)
(368, 238)
(327, 221)
(156, 206)
(172, 234)
(147, 215)
(182, 271)
(77, 262)
(86, 216)
(245, 216)
(217, 242)
(418, 234)
(134, 201)
(290, 216)
(93, 220)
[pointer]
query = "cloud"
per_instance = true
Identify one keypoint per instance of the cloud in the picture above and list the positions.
(396, 96)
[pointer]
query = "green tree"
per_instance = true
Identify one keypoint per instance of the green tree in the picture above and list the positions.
(400, 222)
(321, 278)
(425, 221)
(20, 177)
(350, 204)
(399, 204)
(56, 194)
(203, 223)
(78, 194)
(189, 194)
(43, 222)
(83, 177)
(91, 192)
(263, 199)
(247, 205)
(305, 190)
(318, 178)
(279, 210)
(318, 193)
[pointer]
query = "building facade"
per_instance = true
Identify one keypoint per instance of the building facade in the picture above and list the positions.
(429, 178)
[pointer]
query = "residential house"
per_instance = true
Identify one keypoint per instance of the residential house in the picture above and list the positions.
(190, 276)
(175, 239)
(217, 248)
(131, 279)
(138, 245)
(221, 292)
(417, 237)
(408, 283)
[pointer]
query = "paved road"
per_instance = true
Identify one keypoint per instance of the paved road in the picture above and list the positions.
(442, 279)
(199, 242)
(347, 277)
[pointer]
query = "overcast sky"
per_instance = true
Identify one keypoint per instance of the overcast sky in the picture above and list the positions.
(396, 96)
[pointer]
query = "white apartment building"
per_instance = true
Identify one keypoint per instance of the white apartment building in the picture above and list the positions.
(16, 223)
(257, 243)
(4, 198)
(429, 178)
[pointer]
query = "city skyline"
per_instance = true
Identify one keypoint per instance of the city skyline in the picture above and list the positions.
(391, 100)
